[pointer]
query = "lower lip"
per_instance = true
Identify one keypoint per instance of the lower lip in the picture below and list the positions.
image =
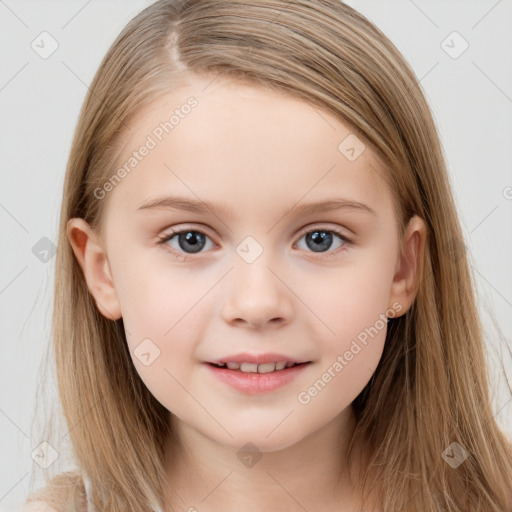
(257, 383)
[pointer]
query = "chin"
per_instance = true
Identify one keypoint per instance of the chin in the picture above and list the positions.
(265, 440)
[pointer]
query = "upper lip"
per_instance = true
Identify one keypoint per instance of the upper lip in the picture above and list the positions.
(268, 357)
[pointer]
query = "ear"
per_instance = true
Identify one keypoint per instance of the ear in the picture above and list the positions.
(406, 279)
(93, 261)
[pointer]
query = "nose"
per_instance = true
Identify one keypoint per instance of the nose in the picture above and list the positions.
(256, 296)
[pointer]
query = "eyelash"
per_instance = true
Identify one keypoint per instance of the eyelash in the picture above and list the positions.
(346, 241)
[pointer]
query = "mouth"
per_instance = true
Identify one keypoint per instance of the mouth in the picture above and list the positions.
(256, 379)
(256, 373)
(246, 367)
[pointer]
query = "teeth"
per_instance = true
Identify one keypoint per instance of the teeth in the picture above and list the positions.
(266, 368)
(249, 367)
(255, 368)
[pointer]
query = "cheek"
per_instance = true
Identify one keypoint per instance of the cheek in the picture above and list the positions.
(352, 304)
(162, 312)
(351, 300)
(160, 337)
(154, 292)
(356, 315)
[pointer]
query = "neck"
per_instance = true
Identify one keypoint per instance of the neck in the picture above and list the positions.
(309, 475)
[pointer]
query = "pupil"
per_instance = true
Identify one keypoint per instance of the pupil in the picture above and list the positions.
(191, 238)
(321, 240)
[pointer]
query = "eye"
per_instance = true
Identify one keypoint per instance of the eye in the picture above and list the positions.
(320, 239)
(192, 241)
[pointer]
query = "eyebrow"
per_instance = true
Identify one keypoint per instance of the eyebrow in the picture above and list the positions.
(203, 207)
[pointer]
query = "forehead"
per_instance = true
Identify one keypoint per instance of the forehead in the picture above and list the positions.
(245, 146)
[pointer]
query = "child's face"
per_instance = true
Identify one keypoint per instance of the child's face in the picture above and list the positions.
(255, 283)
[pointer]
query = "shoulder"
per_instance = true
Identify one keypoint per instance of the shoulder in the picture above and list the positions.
(64, 491)
(36, 506)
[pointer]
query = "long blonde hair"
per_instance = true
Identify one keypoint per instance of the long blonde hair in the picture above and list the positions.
(430, 388)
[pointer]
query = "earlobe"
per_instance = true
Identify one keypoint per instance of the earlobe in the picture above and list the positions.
(407, 272)
(92, 258)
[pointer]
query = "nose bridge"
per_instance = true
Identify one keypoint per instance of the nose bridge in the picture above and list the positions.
(252, 267)
(256, 295)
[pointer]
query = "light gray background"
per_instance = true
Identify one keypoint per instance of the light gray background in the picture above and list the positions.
(471, 97)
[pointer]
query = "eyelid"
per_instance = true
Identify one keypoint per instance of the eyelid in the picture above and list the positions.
(343, 231)
(324, 227)
(174, 231)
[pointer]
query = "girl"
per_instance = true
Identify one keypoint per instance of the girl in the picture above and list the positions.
(262, 300)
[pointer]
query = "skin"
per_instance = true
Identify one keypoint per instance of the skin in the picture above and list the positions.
(260, 154)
